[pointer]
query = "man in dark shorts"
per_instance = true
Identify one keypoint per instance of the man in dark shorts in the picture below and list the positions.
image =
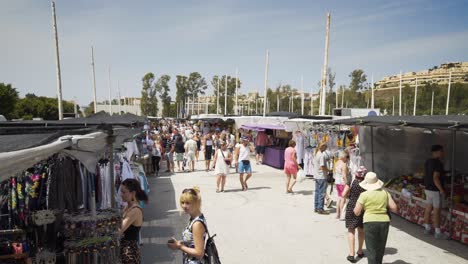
(208, 142)
(169, 153)
(260, 144)
(434, 189)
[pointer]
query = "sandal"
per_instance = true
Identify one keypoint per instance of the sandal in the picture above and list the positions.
(217, 191)
(360, 255)
(351, 259)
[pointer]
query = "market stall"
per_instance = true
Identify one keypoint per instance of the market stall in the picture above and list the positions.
(309, 132)
(279, 138)
(58, 192)
(396, 149)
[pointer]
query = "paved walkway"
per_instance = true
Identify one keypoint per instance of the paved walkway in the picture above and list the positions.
(266, 225)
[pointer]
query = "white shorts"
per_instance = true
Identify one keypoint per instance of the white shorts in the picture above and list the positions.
(433, 198)
(190, 156)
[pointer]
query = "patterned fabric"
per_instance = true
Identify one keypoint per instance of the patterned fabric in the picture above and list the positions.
(187, 238)
(353, 221)
(129, 252)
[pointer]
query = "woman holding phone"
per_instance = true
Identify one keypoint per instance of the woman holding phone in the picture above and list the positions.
(192, 244)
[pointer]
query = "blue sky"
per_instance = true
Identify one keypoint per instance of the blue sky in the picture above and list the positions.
(216, 37)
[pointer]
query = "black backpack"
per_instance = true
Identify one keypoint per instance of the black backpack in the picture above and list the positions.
(211, 252)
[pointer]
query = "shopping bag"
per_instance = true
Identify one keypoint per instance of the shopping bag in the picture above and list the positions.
(301, 175)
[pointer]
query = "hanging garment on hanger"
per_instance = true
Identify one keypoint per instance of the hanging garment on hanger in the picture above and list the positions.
(299, 146)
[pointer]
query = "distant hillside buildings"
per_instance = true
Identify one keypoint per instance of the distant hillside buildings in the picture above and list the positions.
(439, 75)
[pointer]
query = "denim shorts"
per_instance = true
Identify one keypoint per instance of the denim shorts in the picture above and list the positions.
(169, 156)
(244, 168)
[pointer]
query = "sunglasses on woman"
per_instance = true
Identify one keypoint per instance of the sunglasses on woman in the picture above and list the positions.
(190, 190)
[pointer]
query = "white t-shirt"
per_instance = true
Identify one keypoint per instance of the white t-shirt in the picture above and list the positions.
(191, 145)
(244, 152)
(319, 162)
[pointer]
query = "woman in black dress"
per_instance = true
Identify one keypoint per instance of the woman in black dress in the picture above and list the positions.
(352, 221)
(198, 140)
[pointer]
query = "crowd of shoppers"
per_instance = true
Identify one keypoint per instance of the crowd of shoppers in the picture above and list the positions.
(367, 204)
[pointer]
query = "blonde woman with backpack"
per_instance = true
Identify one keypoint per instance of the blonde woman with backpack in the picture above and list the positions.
(192, 244)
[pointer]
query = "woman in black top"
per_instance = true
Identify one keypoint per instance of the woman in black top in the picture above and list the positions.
(179, 151)
(132, 220)
(198, 140)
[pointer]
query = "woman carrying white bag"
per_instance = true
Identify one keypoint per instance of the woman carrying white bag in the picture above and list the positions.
(291, 166)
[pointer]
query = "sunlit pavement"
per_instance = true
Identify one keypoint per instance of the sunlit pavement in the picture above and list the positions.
(266, 225)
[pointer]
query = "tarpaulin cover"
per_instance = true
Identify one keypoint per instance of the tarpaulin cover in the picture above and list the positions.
(436, 122)
(400, 151)
(262, 127)
(15, 141)
(96, 119)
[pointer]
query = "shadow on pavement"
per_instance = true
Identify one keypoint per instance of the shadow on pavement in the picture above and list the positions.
(249, 189)
(390, 251)
(450, 246)
(304, 192)
(162, 221)
(397, 262)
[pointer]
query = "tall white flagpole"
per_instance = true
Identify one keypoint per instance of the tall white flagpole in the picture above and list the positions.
(415, 97)
(292, 101)
(311, 101)
(94, 80)
(399, 109)
(372, 93)
(237, 87)
(266, 82)
(57, 60)
(118, 90)
(302, 95)
(342, 96)
(277, 102)
(217, 98)
(325, 68)
(448, 94)
(225, 95)
(110, 92)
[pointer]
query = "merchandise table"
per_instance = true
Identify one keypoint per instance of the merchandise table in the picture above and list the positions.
(274, 157)
(412, 209)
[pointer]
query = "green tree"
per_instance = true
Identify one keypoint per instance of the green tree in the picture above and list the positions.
(89, 110)
(162, 87)
(331, 80)
(149, 102)
(196, 86)
(40, 106)
(231, 90)
(182, 87)
(8, 100)
(358, 79)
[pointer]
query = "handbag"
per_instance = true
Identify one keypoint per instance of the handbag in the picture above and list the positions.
(330, 178)
(227, 161)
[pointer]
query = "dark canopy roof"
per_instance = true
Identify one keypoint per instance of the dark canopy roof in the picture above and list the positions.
(435, 122)
(284, 114)
(96, 119)
(16, 135)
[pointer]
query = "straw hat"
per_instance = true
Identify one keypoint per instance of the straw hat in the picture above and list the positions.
(371, 182)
